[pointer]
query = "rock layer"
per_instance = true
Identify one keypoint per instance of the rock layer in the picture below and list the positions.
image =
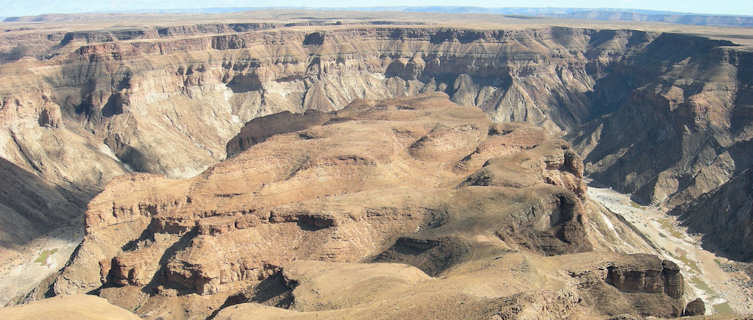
(648, 274)
(417, 181)
(167, 99)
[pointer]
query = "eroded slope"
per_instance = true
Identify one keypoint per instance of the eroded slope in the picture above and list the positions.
(86, 106)
(167, 99)
(417, 181)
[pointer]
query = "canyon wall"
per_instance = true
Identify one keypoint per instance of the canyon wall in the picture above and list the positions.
(663, 123)
(724, 216)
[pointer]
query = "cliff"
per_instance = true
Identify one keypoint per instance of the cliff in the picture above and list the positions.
(724, 216)
(628, 88)
(80, 108)
(416, 181)
(167, 101)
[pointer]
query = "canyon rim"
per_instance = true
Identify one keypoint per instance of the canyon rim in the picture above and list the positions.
(345, 165)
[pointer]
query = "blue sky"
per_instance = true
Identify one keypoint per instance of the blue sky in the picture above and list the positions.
(34, 7)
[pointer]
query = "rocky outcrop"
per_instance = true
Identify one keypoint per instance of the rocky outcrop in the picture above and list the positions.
(647, 274)
(654, 286)
(695, 308)
(339, 191)
(51, 117)
(633, 286)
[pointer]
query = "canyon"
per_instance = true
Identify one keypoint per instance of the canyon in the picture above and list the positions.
(222, 168)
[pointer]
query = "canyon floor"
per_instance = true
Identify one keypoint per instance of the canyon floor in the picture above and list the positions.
(44, 257)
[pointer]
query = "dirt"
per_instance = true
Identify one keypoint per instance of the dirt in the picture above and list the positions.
(78, 307)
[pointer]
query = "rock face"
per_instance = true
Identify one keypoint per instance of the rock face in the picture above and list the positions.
(319, 174)
(419, 181)
(648, 274)
(87, 105)
(664, 141)
(695, 308)
(724, 216)
(635, 285)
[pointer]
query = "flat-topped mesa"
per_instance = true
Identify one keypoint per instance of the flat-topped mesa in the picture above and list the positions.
(341, 190)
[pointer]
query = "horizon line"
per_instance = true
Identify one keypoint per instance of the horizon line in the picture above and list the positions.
(231, 9)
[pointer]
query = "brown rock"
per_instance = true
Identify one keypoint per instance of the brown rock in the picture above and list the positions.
(673, 280)
(379, 184)
(647, 273)
(417, 181)
(50, 117)
(695, 308)
(77, 307)
(652, 286)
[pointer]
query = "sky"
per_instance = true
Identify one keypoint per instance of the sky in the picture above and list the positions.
(34, 7)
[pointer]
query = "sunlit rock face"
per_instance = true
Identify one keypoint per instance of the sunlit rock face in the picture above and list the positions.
(358, 144)
(420, 184)
(168, 101)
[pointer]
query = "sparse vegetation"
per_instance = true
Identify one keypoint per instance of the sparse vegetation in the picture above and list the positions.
(667, 225)
(683, 256)
(723, 308)
(700, 284)
(42, 259)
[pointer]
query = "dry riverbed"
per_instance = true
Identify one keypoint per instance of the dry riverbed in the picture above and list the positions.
(724, 290)
(41, 258)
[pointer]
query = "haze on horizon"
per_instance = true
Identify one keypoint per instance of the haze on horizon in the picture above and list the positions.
(37, 7)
